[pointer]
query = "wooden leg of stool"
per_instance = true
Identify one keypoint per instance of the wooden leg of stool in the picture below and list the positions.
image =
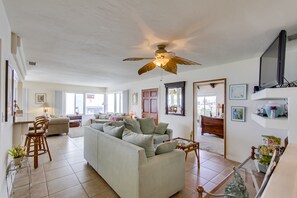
(26, 144)
(49, 153)
(42, 147)
(36, 144)
(28, 140)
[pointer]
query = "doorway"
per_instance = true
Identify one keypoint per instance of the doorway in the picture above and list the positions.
(150, 104)
(209, 121)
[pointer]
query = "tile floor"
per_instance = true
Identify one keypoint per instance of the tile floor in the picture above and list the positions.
(69, 175)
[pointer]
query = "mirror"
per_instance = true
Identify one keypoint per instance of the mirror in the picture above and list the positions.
(175, 98)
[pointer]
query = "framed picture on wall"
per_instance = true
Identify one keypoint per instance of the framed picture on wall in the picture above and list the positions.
(238, 92)
(238, 113)
(9, 89)
(40, 98)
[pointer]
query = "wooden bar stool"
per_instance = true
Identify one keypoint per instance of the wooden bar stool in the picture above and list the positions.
(36, 143)
(31, 128)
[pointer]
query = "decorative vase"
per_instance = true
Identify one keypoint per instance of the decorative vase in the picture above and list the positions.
(273, 113)
(277, 112)
(17, 161)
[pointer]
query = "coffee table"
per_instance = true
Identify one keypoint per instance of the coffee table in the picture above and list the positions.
(188, 146)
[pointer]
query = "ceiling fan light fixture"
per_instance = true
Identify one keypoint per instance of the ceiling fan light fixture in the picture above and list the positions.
(161, 61)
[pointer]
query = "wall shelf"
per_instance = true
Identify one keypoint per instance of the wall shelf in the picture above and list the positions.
(274, 93)
(276, 123)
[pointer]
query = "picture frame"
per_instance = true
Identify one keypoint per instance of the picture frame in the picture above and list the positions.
(238, 113)
(135, 98)
(9, 89)
(238, 92)
(40, 98)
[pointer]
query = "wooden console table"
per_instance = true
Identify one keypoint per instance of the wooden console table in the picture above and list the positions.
(212, 126)
(75, 120)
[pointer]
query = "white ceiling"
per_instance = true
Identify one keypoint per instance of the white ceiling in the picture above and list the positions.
(83, 42)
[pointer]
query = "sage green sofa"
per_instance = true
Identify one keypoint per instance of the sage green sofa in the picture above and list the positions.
(128, 170)
(58, 126)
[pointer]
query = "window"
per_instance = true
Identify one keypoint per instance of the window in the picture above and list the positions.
(94, 103)
(84, 103)
(74, 103)
(115, 102)
(206, 106)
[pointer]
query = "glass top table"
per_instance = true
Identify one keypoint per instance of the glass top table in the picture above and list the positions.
(249, 173)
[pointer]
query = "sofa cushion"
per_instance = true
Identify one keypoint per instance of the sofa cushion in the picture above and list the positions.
(116, 123)
(132, 125)
(158, 139)
(144, 141)
(147, 125)
(97, 126)
(161, 128)
(103, 116)
(113, 130)
(166, 147)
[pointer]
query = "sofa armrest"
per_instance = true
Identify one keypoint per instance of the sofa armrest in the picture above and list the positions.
(61, 120)
(169, 132)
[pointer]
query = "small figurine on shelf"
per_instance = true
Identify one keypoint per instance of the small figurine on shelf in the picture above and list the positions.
(17, 153)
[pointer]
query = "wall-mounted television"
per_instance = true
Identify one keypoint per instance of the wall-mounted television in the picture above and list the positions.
(272, 63)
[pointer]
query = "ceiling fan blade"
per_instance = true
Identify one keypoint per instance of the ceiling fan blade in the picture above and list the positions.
(170, 67)
(148, 67)
(136, 59)
(183, 61)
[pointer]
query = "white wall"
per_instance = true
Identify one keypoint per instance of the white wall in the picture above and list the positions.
(5, 127)
(240, 135)
(49, 89)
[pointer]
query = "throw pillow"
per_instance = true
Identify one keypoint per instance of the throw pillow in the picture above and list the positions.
(116, 123)
(147, 125)
(96, 116)
(161, 128)
(97, 126)
(166, 147)
(113, 130)
(102, 117)
(132, 125)
(144, 141)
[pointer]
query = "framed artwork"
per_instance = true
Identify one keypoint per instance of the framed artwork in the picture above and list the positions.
(9, 89)
(238, 113)
(238, 92)
(135, 98)
(40, 98)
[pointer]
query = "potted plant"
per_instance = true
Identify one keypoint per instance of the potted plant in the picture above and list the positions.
(264, 162)
(17, 153)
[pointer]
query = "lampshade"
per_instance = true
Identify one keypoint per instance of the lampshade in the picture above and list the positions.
(45, 105)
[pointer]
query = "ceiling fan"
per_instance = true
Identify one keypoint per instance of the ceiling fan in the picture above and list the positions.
(163, 59)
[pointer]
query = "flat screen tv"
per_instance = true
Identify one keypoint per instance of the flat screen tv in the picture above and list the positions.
(272, 63)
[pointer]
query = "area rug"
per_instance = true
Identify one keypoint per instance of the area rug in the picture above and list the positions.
(75, 132)
(211, 143)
